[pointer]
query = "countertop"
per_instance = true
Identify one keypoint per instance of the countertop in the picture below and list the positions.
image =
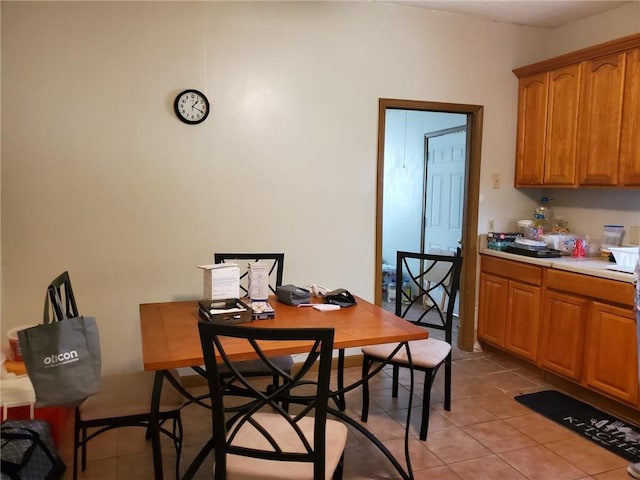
(586, 266)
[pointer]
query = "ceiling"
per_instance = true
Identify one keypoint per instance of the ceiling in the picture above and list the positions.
(536, 13)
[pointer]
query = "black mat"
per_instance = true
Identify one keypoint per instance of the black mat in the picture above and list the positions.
(617, 436)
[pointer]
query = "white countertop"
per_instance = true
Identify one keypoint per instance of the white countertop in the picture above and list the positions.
(586, 266)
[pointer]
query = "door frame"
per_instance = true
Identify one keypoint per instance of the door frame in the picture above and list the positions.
(467, 293)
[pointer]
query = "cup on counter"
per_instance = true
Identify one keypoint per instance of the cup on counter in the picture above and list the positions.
(523, 225)
(612, 236)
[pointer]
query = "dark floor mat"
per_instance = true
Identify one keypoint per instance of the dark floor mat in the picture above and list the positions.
(617, 436)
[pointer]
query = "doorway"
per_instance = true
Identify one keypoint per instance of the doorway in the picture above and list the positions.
(423, 198)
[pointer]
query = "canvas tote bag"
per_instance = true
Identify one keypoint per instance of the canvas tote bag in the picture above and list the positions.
(62, 358)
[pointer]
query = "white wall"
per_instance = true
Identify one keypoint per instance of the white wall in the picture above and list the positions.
(620, 22)
(100, 178)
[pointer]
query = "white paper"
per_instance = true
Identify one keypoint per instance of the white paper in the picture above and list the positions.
(326, 307)
(258, 281)
(221, 281)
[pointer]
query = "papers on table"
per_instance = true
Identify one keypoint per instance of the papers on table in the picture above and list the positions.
(221, 280)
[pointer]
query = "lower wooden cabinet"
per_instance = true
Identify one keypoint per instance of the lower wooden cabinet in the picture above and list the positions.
(611, 352)
(509, 310)
(523, 311)
(492, 314)
(576, 326)
(564, 320)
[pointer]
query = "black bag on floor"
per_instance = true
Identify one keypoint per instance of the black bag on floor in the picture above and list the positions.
(28, 452)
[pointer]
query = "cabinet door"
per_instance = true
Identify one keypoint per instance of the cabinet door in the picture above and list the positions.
(600, 120)
(611, 352)
(562, 334)
(492, 313)
(629, 151)
(562, 126)
(523, 312)
(532, 117)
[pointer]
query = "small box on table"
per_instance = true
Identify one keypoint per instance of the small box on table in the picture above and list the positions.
(262, 311)
(221, 281)
(228, 311)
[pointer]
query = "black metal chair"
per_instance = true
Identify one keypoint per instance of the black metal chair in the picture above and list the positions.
(254, 436)
(275, 261)
(429, 275)
(125, 399)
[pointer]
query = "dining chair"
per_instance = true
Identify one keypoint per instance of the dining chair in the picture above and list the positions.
(124, 400)
(419, 306)
(275, 261)
(254, 436)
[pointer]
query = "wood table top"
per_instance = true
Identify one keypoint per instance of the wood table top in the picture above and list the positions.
(170, 336)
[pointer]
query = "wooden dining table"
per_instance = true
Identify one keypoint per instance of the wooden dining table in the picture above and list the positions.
(170, 340)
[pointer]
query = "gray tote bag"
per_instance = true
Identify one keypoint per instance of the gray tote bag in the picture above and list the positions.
(62, 359)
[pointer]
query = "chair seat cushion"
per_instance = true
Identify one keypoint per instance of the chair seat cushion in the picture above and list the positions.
(128, 394)
(427, 353)
(240, 467)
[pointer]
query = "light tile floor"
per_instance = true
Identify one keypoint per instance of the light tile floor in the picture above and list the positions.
(486, 435)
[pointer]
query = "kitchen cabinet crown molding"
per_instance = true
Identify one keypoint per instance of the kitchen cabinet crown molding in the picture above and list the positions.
(614, 46)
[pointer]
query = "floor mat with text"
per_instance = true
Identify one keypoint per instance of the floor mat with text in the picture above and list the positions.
(614, 434)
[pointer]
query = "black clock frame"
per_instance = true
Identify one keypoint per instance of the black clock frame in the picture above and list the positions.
(176, 106)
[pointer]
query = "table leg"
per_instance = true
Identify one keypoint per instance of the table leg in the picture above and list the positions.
(154, 425)
(338, 396)
(341, 400)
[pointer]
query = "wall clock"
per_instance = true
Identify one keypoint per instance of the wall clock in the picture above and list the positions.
(191, 106)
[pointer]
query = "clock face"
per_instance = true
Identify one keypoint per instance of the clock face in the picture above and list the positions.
(191, 106)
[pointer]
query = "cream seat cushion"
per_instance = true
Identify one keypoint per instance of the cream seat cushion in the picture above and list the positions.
(427, 353)
(128, 394)
(242, 468)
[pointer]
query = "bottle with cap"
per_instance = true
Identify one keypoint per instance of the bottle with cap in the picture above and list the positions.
(544, 209)
(542, 216)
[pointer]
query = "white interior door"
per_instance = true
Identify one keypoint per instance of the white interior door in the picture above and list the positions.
(444, 191)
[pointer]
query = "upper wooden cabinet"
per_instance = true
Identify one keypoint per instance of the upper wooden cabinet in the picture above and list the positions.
(629, 151)
(600, 120)
(547, 127)
(579, 118)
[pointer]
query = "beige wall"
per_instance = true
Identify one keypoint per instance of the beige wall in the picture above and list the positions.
(100, 178)
(622, 21)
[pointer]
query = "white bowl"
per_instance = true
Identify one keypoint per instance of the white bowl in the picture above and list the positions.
(626, 257)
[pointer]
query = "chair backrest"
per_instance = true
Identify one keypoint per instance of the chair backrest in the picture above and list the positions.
(60, 292)
(308, 389)
(275, 261)
(428, 274)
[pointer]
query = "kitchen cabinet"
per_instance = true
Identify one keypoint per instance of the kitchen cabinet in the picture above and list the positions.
(577, 326)
(611, 352)
(579, 118)
(629, 151)
(492, 314)
(562, 334)
(509, 310)
(589, 333)
(600, 120)
(523, 311)
(531, 134)
(547, 127)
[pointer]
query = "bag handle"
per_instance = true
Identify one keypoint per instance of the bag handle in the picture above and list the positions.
(57, 305)
(11, 468)
(45, 316)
